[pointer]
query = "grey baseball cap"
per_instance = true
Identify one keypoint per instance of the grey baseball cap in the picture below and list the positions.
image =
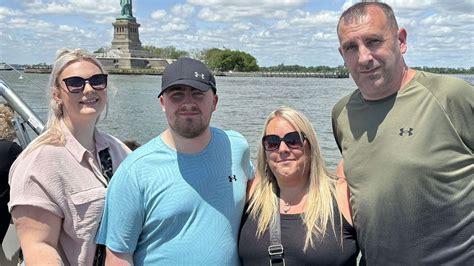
(190, 72)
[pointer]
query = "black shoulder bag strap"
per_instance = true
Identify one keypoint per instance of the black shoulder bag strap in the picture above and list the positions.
(107, 172)
(275, 250)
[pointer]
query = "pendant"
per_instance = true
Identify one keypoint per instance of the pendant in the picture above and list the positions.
(287, 207)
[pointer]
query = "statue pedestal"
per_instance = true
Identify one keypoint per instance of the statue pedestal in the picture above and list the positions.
(126, 37)
(133, 19)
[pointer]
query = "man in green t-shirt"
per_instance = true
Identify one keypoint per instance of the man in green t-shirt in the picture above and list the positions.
(407, 140)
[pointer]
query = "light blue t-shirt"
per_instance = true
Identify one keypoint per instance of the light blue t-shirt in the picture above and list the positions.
(170, 208)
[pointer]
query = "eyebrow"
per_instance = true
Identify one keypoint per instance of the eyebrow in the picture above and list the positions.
(181, 88)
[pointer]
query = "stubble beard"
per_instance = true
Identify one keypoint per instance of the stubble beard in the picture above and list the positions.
(189, 128)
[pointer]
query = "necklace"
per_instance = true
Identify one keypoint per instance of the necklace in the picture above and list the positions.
(287, 207)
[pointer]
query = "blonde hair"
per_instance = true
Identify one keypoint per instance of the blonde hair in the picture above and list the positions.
(318, 210)
(53, 133)
(7, 130)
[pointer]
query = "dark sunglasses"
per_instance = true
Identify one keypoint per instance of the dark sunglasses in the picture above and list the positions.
(293, 140)
(76, 84)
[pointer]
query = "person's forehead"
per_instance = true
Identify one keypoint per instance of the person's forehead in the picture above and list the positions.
(369, 27)
(181, 88)
(373, 16)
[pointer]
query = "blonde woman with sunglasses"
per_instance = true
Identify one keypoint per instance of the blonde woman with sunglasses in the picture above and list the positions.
(295, 190)
(58, 183)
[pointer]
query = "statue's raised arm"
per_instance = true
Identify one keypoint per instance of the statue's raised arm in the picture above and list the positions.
(126, 8)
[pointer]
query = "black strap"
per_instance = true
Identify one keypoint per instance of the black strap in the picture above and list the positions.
(106, 164)
(107, 172)
(275, 250)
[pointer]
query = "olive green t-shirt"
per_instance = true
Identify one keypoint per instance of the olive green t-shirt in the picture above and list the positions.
(409, 163)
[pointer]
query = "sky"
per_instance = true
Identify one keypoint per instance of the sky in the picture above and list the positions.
(290, 32)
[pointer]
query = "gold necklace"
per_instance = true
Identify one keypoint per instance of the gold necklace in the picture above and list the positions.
(287, 207)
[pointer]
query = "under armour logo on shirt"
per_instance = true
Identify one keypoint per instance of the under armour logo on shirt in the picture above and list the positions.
(232, 178)
(196, 74)
(404, 131)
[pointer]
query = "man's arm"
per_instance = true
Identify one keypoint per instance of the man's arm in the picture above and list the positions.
(38, 232)
(342, 191)
(118, 259)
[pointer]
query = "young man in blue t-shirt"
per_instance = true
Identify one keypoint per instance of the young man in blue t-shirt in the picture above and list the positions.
(179, 198)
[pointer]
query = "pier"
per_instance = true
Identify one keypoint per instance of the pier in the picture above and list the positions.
(285, 74)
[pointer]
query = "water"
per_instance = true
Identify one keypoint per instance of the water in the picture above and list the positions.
(244, 103)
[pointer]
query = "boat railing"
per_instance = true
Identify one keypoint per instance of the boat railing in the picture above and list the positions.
(26, 116)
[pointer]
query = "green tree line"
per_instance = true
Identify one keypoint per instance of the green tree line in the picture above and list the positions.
(225, 60)
(447, 70)
(298, 68)
(166, 52)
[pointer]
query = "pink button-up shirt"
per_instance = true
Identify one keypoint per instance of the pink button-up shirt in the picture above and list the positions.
(67, 181)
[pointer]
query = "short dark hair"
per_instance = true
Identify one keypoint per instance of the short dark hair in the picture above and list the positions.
(358, 11)
(131, 144)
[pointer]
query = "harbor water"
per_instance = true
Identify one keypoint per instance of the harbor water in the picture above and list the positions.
(244, 103)
(134, 111)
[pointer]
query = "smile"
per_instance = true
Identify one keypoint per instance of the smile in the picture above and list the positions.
(189, 113)
(90, 101)
(371, 71)
(286, 160)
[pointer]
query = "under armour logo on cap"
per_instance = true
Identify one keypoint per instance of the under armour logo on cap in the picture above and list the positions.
(197, 75)
(189, 72)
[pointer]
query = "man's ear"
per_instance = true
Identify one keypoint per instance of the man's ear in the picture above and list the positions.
(162, 104)
(402, 40)
(216, 99)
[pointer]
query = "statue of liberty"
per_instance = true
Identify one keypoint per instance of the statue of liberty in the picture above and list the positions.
(126, 8)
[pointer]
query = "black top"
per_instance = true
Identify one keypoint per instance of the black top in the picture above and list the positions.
(9, 150)
(328, 251)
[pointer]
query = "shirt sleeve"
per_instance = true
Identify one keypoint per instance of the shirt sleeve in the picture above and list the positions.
(123, 214)
(15, 150)
(248, 165)
(462, 112)
(33, 184)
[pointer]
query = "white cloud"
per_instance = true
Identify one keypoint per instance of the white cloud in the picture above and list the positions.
(221, 10)
(10, 12)
(174, 27)
(105, 20)
(158, 14)
(315, 20)
(50, 8)
(320, 36)
(182, 10)
(458, 6)
(248, 4)
(282, 25)
(242, 26)
(73, 7)
(65, 28)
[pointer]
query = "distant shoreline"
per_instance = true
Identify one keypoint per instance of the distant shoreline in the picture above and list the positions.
(299, 74)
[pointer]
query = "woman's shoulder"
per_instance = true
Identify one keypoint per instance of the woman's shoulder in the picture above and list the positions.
(41, 163)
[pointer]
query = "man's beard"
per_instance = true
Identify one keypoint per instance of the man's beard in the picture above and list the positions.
(189, 128)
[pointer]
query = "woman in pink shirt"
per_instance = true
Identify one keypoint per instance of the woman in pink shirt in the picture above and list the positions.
(58, 183)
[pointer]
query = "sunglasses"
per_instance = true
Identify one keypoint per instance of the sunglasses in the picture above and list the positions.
(76, 84)
(293, 140)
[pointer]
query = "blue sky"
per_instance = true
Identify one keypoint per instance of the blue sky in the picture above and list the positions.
(440, 32)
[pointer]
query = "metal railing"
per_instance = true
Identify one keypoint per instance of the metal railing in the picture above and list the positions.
(26, 116)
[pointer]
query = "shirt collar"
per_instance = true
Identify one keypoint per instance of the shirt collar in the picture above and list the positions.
(76, 149)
